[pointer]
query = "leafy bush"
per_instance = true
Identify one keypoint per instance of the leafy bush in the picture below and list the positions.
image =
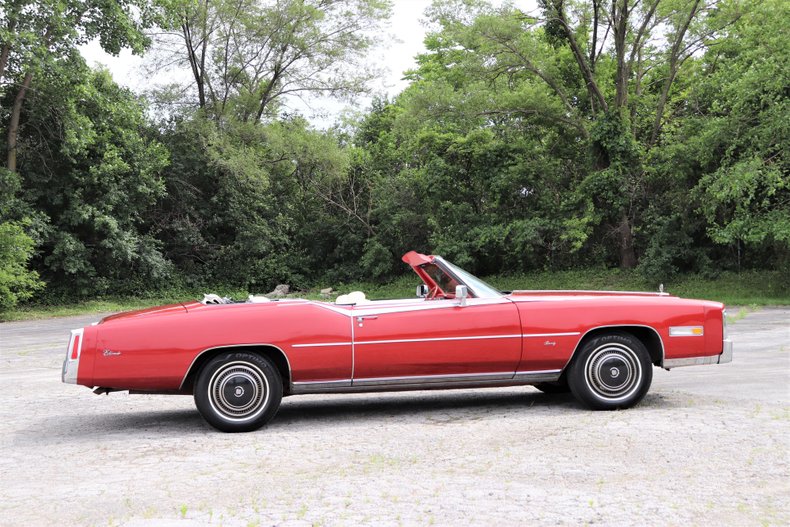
(17, 283)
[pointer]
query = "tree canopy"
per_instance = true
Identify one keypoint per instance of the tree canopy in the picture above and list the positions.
(647, 134)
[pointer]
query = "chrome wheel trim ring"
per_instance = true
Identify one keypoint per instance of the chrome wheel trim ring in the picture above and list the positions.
(604, 382)
(231, 371)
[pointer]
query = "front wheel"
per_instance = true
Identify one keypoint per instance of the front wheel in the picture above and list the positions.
(238, 391)
(611, 371)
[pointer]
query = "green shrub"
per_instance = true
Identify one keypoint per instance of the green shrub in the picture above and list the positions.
(17, 283)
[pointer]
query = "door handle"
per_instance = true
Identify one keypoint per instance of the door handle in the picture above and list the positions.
(365, 317)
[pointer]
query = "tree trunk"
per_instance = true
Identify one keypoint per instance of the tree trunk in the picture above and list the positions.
(627, 254)
(13, 123)
(674, 61)
(581, 60)
(10, 13)
(620, 22)
(4, 59)
(193, 62)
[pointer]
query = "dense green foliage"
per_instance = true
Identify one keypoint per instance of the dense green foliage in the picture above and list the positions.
(649, 136)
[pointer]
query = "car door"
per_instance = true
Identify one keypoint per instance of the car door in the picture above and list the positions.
(435, 340)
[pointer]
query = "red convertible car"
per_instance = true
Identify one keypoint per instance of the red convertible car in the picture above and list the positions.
(239, 359)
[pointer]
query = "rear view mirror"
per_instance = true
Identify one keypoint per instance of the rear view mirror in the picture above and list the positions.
(461, 292)
(422, 291)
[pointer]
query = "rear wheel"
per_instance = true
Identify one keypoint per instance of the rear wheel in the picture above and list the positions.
(611, 371)
(238, 391)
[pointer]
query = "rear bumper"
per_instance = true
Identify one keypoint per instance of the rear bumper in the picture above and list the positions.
(724, 357)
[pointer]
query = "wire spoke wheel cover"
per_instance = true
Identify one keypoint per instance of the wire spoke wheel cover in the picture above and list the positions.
(238, 391)
(611, 371)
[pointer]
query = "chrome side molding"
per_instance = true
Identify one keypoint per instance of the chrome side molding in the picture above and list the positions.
(427, 382)
(723, 358)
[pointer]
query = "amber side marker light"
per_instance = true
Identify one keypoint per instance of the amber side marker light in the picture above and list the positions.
(686, 331)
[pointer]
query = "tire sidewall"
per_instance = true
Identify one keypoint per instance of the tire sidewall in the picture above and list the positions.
(213, 416)
(577, 376)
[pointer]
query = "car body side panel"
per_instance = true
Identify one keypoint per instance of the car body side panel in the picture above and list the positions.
(88, 355)
(156, 353)
(554, 325)
(483, 336)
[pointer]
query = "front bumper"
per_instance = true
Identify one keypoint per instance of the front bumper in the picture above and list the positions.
(724, 357)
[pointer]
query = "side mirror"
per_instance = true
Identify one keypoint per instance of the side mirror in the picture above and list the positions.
(422, 291)
(461, 293)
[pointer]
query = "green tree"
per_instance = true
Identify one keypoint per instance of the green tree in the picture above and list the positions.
(39, 37)
(742, 142)
(17, 283)
(90, 177)
(245, 56)
(605, 69)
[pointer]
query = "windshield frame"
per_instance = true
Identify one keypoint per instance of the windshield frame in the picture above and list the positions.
(478, 287)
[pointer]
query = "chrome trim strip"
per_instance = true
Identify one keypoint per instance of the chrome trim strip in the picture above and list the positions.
(397, 341)
(428, 379)
(660, 340)
(191, 364)
(370, 308)
(538, 375)
(431, 382)
(318, 386)
(322, 344)
(691, 361)
(723, 358)
(591, 292)
(306, 383)
(567, 334)
(353, 349)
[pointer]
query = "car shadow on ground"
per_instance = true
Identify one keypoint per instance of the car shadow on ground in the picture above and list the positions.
(424, 407)
(94, 427)
(445, 405)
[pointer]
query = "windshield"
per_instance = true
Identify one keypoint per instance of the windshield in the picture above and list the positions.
(477, 287)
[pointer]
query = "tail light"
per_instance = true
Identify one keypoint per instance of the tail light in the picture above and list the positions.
(73, 351)
(75, 348)
(75, 344)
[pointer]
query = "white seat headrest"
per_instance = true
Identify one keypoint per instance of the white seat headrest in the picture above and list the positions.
(353, 298)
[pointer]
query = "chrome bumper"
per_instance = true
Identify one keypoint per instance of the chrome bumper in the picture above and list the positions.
(69, 372)
(724, 357)
(72, 363)
(726, 354)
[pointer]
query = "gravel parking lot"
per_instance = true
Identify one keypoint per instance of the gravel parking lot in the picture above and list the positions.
(709, 445)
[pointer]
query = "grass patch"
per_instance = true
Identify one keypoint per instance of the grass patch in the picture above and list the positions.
(751, 288)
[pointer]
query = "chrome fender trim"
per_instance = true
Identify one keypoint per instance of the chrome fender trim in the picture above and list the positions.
(723, 358)
(231, 346)
(654, 330)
